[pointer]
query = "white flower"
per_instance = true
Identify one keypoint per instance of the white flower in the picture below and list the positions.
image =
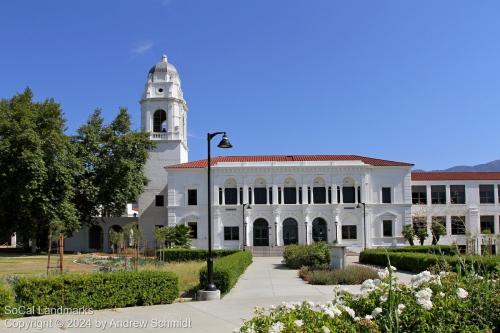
(356, 318)
(424, 298)
(400, 309)
(441, 294)
(348, 310)
(426, 304)
(250, 330)
(329, 312)
(421, 278)
(383, 298)
(277, 327)
(443, 273)
(310, 303)
(368, 317)
(376, 312)
(462, 293)
(326, 329)
(298, 322)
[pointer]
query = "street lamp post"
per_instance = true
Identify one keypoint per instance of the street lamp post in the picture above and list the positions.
(247, 206)
(336, 231)
(364, 221)
(224, 143)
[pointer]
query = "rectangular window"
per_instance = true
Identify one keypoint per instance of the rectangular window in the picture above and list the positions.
(329, 194)
(338, 194)
(419, 222)
(487, 223)
(309, 196)
(220, 196)
(348, 194)
(386, 195)
(439, 219)
(241, 195)
(359, 194)
(290, 194)
(193, 233)
(271, 195)
(457, 194)
(319, 195)
(231, 233)
(458, 225)
(349, 232)
(250, 195)
(419, 195)
(231, 196)
(387, 228)
(300, 196)
(279, 195)
(438, 194)
(260, 194)
(192, 197)
(486, 194)
(160, 201)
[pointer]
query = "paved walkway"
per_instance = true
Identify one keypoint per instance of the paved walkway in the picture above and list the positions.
(265, 282)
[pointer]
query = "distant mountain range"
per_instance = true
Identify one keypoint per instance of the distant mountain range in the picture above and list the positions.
(490, 166)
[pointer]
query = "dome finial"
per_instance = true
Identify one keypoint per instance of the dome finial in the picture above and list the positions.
(164, 58)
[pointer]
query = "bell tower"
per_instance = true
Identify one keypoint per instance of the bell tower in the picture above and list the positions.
(164, 118)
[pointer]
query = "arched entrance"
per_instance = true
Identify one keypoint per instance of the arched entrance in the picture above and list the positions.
(320, 230)
(290, 232)
(260, 233)
(95, 238)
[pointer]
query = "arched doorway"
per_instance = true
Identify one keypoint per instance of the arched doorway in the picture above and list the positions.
(160, 121)
(290, 232)
(95, 237)
(260, 233)
(320, 230)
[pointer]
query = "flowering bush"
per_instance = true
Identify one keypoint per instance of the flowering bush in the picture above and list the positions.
(445, 302)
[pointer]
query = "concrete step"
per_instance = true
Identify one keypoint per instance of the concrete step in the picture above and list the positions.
(266, 251)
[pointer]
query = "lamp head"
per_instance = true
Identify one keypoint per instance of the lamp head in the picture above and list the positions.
(224, 143)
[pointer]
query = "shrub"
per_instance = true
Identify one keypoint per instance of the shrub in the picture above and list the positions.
(180, 254)
(314, 255)
(417, 262)
(97, 290)
(352, 274)
(6, 298)
(435, 249)
(227, 270)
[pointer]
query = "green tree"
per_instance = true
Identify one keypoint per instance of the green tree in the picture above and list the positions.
(37, 168)
(112, 159)
(437, 230)
(409, 234)
(182, 238)
(422, 234)
(116, 240)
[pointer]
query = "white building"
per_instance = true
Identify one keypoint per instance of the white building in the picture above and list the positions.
(271, 201)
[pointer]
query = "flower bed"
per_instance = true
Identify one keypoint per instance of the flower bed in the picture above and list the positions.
(417, 262)
(446, 302)
(227, 270)
(353, 274)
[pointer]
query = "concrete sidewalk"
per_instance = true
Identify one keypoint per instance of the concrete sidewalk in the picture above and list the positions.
(265, 282)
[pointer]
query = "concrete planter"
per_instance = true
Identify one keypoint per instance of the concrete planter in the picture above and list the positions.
(337, 256)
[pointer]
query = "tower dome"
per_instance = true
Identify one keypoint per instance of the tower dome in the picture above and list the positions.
(163, 81)
(163, 66)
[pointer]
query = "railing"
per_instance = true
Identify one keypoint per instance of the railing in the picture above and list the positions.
(159, 136)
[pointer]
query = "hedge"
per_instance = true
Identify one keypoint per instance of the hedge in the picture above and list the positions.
(227, 270)
(97, 290)
(6, 298)
(417, 262)
(178, 254)
(435, 249)
(314, 255)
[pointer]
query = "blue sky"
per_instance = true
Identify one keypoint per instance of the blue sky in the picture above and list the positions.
(416, 81)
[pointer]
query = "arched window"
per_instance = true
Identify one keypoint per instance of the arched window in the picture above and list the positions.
(260, 192)
(95, 237)
(160, 121)
(290, 232)
(230, 192)
(319, 191)
(348, 190)
(320, 230)
(290, 191)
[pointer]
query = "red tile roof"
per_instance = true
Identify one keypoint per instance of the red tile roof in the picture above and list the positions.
(416, 176)
(287, 158)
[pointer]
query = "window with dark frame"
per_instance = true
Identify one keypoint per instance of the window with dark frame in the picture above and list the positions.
(338, 194)
(241, 195)
(193, 233)
(260, 195)
(192, 197)
(349, 232)
(439, 219)
(319, 195)
(309, 196)
(419, 223)
(438, 194)
(231, 196)
(159, 200)
(487, 224)
(386, 195)
(457, 194)
(458, 225)
(387, 228)
(419, 195)
(231, 233)
(271, 195)
(348, 194)
(329, 194)
(486, 194)
(290, 195)
(279, 195)
(250, 195)
(300, 196)
(220, 197)
(359, 194)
